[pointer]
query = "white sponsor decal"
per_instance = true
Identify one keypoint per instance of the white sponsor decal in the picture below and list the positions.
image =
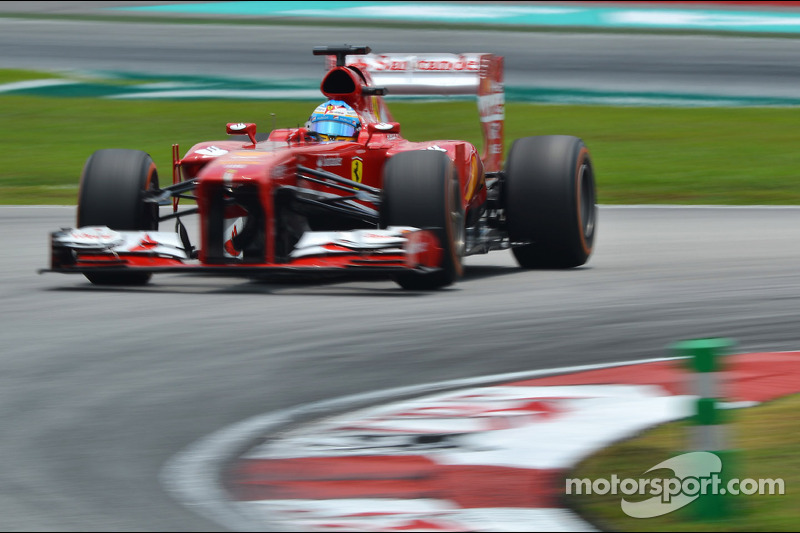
(314, 242)
(238, 127)
(436, 147)
(211, 151)
(279, 171)
(329, 161)
(491, 105)
(164, 243)
(94, 236)
(232, 228)
(418, 63)
(417, 247)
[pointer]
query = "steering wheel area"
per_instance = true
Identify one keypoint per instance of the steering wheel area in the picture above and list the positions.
(303, 136)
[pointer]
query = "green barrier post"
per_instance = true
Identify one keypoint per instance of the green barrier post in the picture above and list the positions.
(709, 431)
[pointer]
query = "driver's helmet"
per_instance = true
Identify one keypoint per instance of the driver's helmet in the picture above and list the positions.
(334, 121)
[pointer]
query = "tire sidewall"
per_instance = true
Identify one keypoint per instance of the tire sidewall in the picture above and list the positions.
(421, 189)
(550, 201)
(111, 191)
(110, 194)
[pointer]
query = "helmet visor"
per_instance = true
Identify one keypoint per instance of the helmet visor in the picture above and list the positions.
(333, 128)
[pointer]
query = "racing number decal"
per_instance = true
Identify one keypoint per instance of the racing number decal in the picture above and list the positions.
(357, 169)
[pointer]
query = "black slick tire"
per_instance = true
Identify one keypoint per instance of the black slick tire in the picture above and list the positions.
(421, 189)
(111, 188)
(550, 201)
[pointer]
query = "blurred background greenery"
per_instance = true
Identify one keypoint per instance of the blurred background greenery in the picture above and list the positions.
(642, 155)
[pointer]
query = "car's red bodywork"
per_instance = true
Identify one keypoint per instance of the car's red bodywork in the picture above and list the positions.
(291, 203)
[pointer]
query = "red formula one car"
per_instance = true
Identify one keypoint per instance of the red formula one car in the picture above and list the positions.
(346, 193)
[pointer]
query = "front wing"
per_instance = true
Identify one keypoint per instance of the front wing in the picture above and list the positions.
(100, 249)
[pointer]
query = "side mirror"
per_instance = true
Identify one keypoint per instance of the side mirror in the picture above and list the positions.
(239, 128)
(383, 127)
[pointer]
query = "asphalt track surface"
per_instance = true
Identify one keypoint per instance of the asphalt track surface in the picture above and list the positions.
(99, 387)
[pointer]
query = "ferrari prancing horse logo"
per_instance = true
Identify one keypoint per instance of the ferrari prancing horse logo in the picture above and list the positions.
(356, 169)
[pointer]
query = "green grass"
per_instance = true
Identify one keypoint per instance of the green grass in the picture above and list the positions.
(642, 155)
(765, 442)
(12, 75)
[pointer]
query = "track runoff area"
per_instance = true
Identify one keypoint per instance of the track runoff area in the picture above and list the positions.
(486, 454)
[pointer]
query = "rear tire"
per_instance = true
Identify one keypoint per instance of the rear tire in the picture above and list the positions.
(112, 184)
(550, 201)
(421, 189)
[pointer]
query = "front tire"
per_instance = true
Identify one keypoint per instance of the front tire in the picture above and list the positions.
(112, 185)
(550, 201)
(421, 189)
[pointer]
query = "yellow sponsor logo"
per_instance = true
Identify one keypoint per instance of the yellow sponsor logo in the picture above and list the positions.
(473, 178)
(357, 169)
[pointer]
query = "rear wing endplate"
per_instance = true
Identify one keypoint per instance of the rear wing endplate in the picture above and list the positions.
(446, 74)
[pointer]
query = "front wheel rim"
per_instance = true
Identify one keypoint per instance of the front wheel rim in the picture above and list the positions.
(587, 202)
(457, 223)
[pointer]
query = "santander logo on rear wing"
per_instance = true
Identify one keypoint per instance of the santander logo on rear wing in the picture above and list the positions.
(446, 74)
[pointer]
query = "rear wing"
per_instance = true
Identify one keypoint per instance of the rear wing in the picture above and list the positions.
(446, 74)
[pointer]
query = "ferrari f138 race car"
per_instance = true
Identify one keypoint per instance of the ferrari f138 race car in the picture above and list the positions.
(344, 194)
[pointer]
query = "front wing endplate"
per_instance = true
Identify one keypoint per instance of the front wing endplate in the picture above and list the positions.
(98, 248)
